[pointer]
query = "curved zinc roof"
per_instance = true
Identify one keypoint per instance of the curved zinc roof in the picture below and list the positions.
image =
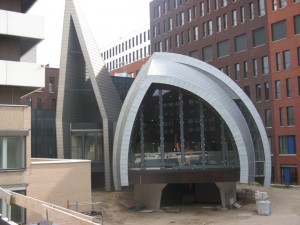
(208, 83)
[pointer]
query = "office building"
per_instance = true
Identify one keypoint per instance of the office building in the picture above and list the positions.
(257, 44)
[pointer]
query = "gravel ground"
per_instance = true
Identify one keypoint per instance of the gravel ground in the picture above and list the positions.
(285, 204)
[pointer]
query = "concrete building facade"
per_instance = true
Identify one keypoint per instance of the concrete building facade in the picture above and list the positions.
(256, 43)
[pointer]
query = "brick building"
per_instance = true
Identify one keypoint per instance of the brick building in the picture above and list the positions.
(257, 44)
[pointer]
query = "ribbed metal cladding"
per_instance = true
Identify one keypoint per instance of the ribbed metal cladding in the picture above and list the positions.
(208, 83)
(86, 92)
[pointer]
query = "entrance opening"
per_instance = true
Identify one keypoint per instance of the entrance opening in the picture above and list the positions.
(177, 194)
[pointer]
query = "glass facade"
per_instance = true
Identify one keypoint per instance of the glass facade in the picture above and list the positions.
(175, 128)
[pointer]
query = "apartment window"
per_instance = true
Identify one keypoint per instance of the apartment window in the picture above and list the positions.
(12, 152)
(175, 4)
(219, 24)
(242, 9)
(201, 8)
(207, 53)
(277, 89)
(204, 29)
(259, 37)
(170, 42)
(234, 18)
(289, 175)
(267, 91)
(278, 61)
(189, 12)
(177, 40)
(265, 65)
(209, 28)
(51, 84)
(255, 67)
(268, 118)
(224, 3)
(182, 38)
(228, 71)
(196, 33)
(223, 48)
(247, 91)
(225, 22)
(208, 6)
(251, 10)
(288, 87)
(279, 30)
(216, 4)
(194, 12)
(237, 71)
(282, 3)
(297, 24)
(189, 35)
(170, 22)
(274, 5)
(290, 116)
(14, 212)
(258, 92)
(245, 69)
(286, 60)
(240, 43)
(261, 7)
(287, 144)
(281, 116)
(181, 21)
(194, 54)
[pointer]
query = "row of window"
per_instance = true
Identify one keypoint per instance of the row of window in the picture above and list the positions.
(286, 117)
(279, 29)
(288, 88)
(207, 27)
(126, 45)
(278, 4)
(129, 58)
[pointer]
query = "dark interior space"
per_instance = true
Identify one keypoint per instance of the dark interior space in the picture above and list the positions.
(176, 194)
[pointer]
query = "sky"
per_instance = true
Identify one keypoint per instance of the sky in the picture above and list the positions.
(109, 20)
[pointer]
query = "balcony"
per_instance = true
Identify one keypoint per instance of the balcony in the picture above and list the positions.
(22, 74)
(30, 29)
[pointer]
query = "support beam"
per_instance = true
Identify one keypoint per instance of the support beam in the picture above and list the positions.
(227, 192)
(149, 194)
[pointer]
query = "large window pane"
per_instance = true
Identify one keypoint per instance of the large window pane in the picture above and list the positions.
(223, 48)
(297, 24)
(240, 42)
(279, 30)
(207, 53)
(259, 37)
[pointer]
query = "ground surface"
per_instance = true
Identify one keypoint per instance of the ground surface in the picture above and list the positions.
(285, 210)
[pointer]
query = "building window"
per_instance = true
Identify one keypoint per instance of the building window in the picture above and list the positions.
(297, 24)
(189, 12)
(196, 33)
(282, 3)
(268, 118)
(51, 84)
(247, 91)
(258, 92)
(290, 116)
(201, 8)
(261, 7)
(265, 65)
(281, 116)
(170, 21)
(259, 37)
(274, 5)
(208, 6)
(181, 19)
(224, 3)
(207, 53)
(175, 4)
(267, 91)
(245, 69)
(219, 24)
(279, 30)
(289, 175)
(225, 23)
(209, 28)
(287, 144)
(204, 29)
(223, 48)
(242, 9)
(177, 40)
(234, 18)
(12, 152)
(278, 89)
(251, 10)
(286, 60)
(288, 87)
(240, 43)
(278, 61)
(182, 38)
(216, 4)
(228, 71)
(189, 36)
(194, 54)
(255, 67)
(237, 71)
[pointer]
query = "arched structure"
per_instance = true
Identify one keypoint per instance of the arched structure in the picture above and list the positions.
(208, 86)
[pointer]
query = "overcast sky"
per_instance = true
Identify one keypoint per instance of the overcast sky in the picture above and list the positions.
(109, 20)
